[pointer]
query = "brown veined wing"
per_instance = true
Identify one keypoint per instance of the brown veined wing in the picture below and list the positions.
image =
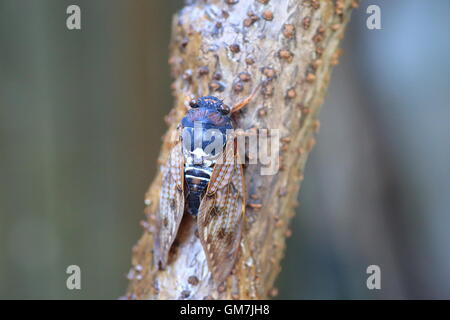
(171, 204)
(220, 214)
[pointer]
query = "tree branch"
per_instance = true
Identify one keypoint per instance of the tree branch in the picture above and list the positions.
(226, 48)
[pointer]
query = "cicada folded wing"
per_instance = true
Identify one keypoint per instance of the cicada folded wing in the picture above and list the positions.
(221, 213)
(171, 204)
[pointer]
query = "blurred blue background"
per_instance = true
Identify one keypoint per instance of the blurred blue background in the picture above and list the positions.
(81, 120)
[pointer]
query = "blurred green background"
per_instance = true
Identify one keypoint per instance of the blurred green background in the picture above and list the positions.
(81, 120)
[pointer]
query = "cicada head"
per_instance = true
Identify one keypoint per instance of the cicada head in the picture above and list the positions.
(204, 130)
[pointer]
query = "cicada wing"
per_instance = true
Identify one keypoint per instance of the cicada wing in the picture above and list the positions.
(220, 218)
(171, 204)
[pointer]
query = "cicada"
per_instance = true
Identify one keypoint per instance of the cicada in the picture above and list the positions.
(205, 183)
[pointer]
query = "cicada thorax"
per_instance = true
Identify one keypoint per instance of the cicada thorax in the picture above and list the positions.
(204, 136)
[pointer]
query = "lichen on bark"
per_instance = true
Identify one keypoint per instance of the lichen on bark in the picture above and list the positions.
(225, 49)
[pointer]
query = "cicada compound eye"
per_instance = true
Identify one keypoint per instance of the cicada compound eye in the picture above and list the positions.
(225, 109)
(193, 103)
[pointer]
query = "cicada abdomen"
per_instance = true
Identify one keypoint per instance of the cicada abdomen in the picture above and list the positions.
(203, 178)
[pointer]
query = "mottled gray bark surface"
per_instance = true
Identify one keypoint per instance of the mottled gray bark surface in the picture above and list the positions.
(226, 48)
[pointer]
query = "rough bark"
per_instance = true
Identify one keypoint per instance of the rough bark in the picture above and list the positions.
(226, 48)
